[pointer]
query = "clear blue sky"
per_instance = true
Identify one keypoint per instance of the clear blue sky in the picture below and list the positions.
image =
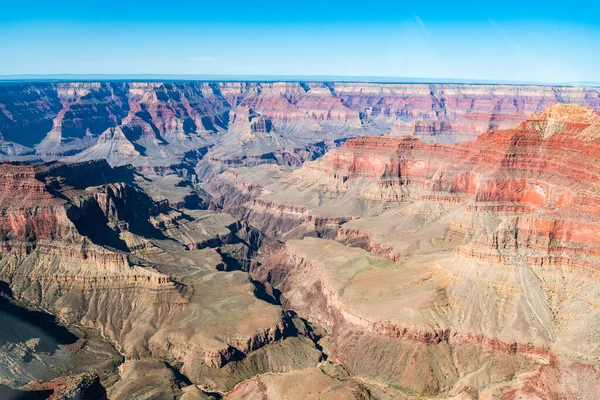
(522, 40)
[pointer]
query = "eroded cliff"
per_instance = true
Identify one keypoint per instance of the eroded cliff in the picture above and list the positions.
(156, 123)
(473, 251)
(86, 243)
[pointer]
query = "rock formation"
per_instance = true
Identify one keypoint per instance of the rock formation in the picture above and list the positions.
(239, 240)
(156, 123)
(86, 243)
(472, 251)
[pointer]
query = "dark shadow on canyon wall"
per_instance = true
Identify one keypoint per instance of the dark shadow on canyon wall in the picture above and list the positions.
(20, 324)
(7, 393)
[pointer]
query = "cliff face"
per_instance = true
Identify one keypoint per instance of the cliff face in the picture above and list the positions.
(413, 265)
(533, 171)
(86, 242)
(54, 241)
(474, 251)
(153, 123)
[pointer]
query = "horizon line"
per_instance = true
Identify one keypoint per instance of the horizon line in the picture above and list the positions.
(275, 78)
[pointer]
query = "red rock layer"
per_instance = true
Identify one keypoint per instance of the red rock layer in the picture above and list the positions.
(40, 210)
(542, 176)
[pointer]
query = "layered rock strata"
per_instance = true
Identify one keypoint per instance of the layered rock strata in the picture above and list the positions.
(464, 270)
(154, 124)
(474, 251)
(86, 243)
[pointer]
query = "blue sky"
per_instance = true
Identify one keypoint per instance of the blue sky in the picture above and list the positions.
(509, 40)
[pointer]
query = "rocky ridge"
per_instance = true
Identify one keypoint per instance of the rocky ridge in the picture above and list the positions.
(86, 243)
(503, 221)
(155, 124)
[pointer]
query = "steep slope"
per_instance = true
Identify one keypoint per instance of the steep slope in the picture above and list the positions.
(479, 272)
(84, 242)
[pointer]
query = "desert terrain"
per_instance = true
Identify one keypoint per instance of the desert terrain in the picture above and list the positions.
(299, 240)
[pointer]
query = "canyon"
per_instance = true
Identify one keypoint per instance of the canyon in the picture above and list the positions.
(408, 252)
(157, 124)
(246, 240)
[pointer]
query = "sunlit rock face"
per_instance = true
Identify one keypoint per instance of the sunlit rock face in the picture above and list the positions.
(429, 258)
(333, 240)
(85, 242)
(156, 124)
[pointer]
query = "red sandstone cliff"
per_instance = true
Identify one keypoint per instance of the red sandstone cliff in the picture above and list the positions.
(542, 175)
